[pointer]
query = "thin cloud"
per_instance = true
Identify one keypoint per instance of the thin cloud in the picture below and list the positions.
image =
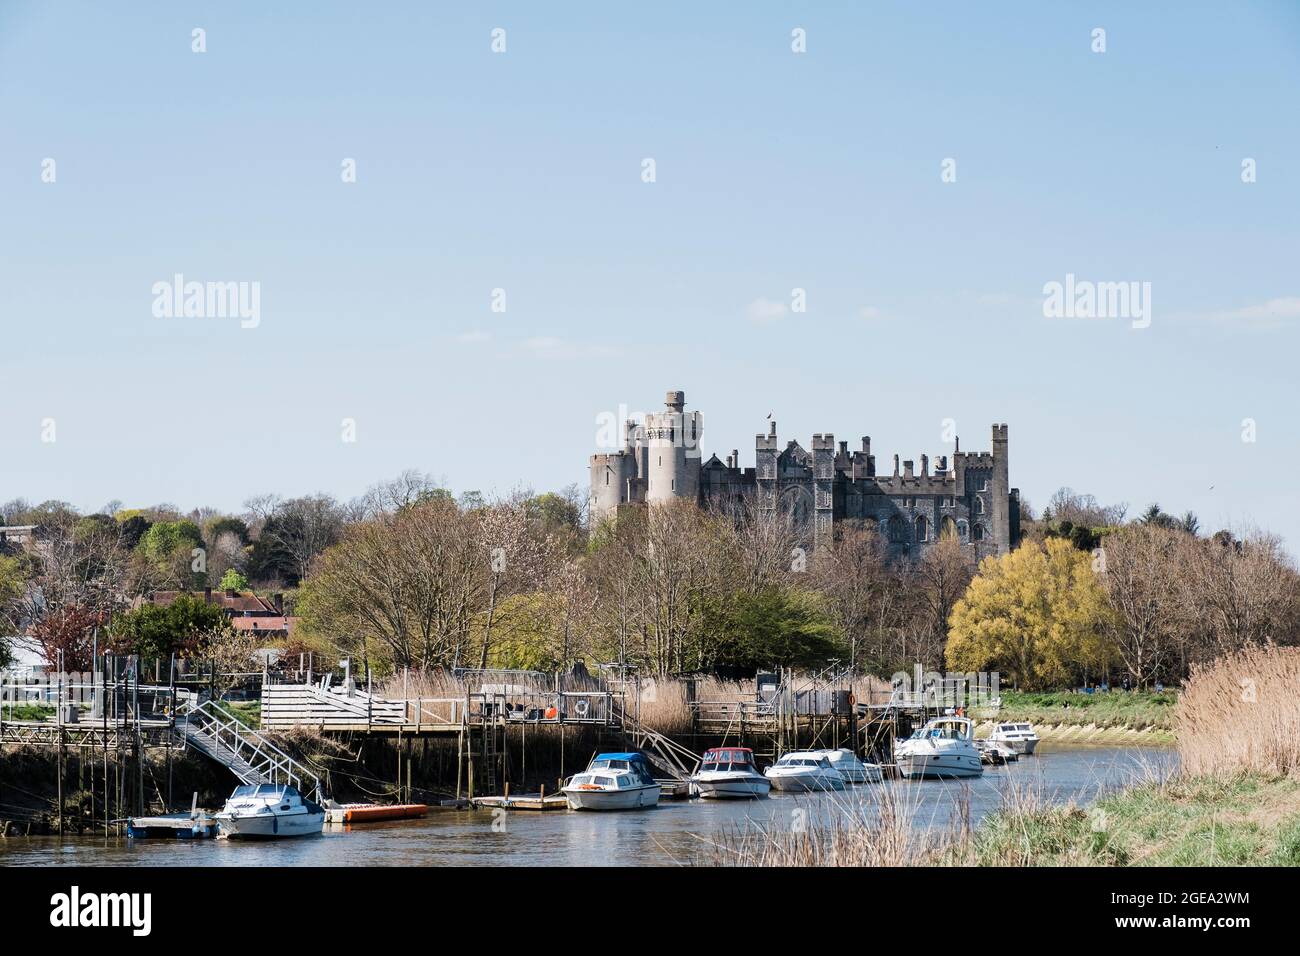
(1271, 314)
(765, 311)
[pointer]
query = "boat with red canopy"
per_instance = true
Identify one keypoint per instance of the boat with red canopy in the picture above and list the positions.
(729, 773)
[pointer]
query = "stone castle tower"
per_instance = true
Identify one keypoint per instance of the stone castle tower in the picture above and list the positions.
(969, 498)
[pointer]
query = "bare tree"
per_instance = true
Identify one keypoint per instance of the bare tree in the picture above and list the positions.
(1139, 568)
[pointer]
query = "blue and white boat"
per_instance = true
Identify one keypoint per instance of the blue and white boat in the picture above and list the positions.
(613, 781)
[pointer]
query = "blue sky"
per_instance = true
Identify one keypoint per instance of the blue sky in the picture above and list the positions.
(522, 171)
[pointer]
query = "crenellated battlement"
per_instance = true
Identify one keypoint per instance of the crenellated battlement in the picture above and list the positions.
(964, 494)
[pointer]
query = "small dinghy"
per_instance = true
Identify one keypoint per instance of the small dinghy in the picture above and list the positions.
(729, 773)
(614, 781)
(269, 811)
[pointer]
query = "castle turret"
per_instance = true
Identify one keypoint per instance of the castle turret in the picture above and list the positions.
(823, 466)
(765, 455)
(614, 475)
(1000, 490)
(673, 451)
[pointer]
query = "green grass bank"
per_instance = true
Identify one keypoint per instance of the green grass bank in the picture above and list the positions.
(1247, 820)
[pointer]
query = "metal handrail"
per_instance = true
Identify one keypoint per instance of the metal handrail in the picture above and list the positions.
(265, 759)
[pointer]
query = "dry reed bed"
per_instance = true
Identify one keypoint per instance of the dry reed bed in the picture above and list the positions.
(1241, 714)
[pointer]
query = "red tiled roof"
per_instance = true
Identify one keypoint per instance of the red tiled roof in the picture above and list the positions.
(262, 623)
(240, 602)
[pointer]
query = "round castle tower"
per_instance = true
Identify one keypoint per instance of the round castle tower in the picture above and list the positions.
(614, 475)
(673, 451)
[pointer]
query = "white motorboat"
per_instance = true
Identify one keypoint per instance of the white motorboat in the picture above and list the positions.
(851, 768)
(804, 770)
(613, 781)
(944, 747)
(729, 773)
(1019, 737)
(993, 752)
(269, 811)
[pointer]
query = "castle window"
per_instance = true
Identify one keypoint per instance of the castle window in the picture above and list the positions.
(898, 530)
(922, 530)
(962, 530)
(979, 532)
(979, 506)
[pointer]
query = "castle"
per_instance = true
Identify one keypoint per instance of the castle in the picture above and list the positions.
(970, 500)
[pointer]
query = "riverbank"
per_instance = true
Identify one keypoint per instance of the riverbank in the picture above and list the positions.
(1247, 820)
(1129, 710)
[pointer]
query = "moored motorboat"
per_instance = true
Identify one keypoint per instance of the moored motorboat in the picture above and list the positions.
(613, 781)
(1020, 737)
(992, 752)
(729, 773)
(803, 771)
(851, 768)
(269, 811)
(943, 748)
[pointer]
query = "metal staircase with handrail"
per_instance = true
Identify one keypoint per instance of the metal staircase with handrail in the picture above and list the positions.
(246, 753)
(670, 757)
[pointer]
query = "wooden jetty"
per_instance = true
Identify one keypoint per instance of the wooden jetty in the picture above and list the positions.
(522, 801)
(173, 826)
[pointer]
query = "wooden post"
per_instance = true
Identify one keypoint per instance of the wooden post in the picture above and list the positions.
(460, 759)
(60, 762)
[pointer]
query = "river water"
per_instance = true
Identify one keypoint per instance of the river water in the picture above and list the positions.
(672, 833)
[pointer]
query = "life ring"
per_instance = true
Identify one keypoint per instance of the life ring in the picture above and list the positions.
(551, 713)
(580, 708)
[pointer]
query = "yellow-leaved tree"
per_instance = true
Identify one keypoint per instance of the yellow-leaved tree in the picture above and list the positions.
(1037, 615)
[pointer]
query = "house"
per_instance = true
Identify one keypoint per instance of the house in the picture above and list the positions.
(246, 611)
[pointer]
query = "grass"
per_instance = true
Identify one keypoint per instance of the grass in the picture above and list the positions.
(26, 712)
(1140, 710)
(1250, 819)
(248, 712)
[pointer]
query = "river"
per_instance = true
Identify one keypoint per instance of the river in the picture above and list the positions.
(669, 834)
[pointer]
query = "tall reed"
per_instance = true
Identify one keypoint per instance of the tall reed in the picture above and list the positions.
(1242, 713)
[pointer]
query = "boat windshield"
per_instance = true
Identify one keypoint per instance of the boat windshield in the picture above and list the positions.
(261, 790)
(609, 765)
(949, 731)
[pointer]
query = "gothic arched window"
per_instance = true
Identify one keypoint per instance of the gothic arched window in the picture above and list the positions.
(922, 529)
(898, 530)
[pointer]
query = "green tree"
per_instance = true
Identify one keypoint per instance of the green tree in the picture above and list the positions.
(1036, 614)
(157, 631)
(12, 585)
(774, 628)
(232, 580)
